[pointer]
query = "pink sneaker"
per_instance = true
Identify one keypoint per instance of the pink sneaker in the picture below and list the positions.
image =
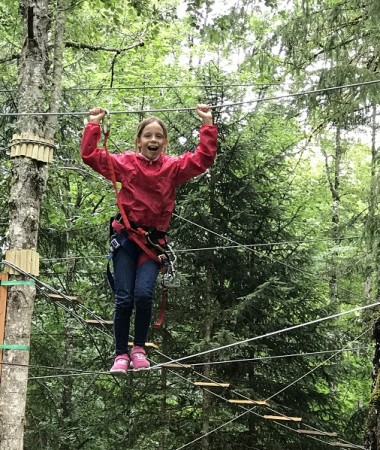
(138, 359)
(121, 364)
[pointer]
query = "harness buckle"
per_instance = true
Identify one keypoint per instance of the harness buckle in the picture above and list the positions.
(114, 244)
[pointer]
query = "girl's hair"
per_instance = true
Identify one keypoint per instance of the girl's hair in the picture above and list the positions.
(146, 122)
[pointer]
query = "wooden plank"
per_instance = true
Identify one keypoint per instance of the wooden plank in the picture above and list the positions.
(249, 402)
(317, 433)
(345, 445)
(3, 309)
(98, 323)
(147, 344)
(26, 260)
(176, 366)
(294, 419)
(65, 298)
(208, 384)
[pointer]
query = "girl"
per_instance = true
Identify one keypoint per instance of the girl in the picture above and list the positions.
(148, 178)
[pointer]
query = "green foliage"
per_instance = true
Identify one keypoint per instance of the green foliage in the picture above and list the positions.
(268, 190)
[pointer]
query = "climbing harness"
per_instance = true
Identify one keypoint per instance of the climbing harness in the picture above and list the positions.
(153, 242)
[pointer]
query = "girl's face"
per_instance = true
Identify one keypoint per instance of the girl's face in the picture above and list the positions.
(152, 141)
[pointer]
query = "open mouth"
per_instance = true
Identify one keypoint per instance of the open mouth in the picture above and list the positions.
(152, 149)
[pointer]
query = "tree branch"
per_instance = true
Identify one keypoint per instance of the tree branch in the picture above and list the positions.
(72, 44)
(15, 56)
(100, 47)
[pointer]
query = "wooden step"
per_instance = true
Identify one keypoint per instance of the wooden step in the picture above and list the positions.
(147, 344)
(66, 298)
(99, 323)
(176, 366)
(248, 402)
(294, 419)
(209, 384)
(317, 433)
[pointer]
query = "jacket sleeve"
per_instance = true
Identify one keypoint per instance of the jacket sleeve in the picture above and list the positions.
(191, 164)
(96, 157)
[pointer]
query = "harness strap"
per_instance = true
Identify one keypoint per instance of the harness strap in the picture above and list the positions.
(110, 278)
(134, 235)
(152, 232)
(161, 317)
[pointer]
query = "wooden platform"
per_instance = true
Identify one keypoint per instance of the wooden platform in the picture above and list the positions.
(211, 385)
(293, 419)
(248, 402)
(317, 433)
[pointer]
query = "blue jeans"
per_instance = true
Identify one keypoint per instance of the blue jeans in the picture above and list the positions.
(134, 288)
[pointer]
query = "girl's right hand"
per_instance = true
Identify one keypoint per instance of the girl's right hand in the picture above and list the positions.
(97, 114)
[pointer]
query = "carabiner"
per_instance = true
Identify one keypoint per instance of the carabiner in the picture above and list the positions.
(106, 123)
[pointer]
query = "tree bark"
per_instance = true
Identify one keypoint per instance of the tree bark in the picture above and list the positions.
(28, 184)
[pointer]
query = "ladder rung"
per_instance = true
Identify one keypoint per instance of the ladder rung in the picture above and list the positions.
(249, 402)
(294, 419)
(207, 384)
(317, 433)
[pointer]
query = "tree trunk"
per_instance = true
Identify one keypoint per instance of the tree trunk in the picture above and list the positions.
(334, 183)
(207, 400)
(29, 178)
(372, 432)
(209, 317)
(164, 419)
(252, 419)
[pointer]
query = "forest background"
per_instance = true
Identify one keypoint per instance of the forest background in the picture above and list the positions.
(282, 231)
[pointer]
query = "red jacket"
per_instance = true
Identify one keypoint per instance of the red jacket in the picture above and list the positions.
(148, 188)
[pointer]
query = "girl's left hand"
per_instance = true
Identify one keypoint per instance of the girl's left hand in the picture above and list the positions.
(204, 112)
